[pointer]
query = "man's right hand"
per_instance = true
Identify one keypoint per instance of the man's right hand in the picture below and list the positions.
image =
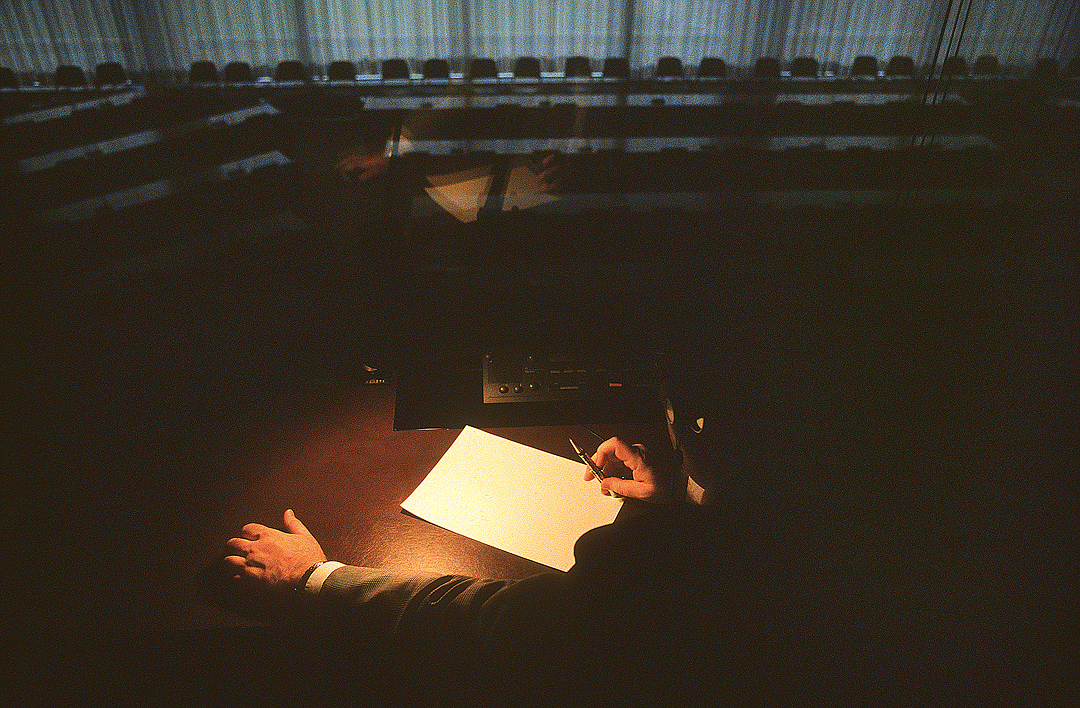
(357, 166)
(648, 482)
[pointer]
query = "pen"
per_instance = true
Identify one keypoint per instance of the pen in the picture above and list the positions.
(595, 434)
(587, 460)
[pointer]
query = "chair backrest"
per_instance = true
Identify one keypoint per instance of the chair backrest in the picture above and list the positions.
(483, 68)
(712, 67)
(954, 66)
(804, 67)
(577, 66)
(109, 73)
(527, 68)
(436, 69)
(669, 66)
(900, 66)
(8, 78)
(341, 71)
(203, 72)
(1045, 68)
(616, 68)
(70, 76)
(395, 69)
(767, 68)
(290, 71)
(238, 72)
(986, 65)
(864, 66)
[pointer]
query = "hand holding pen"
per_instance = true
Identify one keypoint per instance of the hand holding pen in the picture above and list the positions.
(613, 458)
(593, 471)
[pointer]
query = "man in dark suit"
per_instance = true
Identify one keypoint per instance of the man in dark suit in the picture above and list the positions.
(764, 581)
(638, 620)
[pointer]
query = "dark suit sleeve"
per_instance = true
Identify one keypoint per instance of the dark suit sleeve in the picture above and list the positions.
(483, 641)
(416, 607)
(431, 639)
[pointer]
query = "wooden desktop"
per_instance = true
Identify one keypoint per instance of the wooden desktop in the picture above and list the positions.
(345, 473)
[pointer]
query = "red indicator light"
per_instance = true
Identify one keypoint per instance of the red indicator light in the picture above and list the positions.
(614, 384)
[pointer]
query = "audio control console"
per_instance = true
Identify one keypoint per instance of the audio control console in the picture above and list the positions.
(521, 376)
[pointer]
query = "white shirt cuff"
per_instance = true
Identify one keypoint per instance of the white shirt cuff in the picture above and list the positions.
(315, 580)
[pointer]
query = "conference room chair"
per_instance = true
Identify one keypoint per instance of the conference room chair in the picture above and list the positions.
(712, 68)
(238, 72)
(68, 76)
(767, 68)
(864, 66)
(8, 78)
(436, 69)
(483, 68)
(804, 67)
(527, 68)
(616, 68)
(900, 66)
(669, 67)
(986, 65)
(1045, 69)
(341, 71)
(954, 66)
(577, 67)
(395, 70)
(203, 72)
(1049, 69)
(290, 70)
(109, 73)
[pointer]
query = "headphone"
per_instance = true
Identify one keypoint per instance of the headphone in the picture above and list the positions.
(698, 425)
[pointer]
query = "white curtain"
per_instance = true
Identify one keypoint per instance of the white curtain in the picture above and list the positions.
(221, 31)
(547, 29)
(38, 36)
(837, 31)
(372, 30)
(1017, 33)
(167, 35)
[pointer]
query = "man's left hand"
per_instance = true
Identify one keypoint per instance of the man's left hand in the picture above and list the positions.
(275, 560)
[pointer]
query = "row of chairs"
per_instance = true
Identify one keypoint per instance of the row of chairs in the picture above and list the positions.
(108, 73)
(202, 72)
(398, 69)
(619, 68)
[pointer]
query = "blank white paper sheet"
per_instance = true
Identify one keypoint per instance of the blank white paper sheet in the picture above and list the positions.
(511, 496)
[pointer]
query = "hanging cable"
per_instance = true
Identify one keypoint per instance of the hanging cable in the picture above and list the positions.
(1065, 27)
(930, 77)
(941, 78)
(952, 50)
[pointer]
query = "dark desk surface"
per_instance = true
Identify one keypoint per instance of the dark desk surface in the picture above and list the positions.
(345, 472)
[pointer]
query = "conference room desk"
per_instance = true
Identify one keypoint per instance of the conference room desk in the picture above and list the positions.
(345, 472)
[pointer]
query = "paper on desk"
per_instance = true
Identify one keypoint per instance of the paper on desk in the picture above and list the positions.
(461, 193)
(511, 496)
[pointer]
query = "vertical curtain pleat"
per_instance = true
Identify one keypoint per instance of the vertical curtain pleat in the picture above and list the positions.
(36, 36)
(549, 29)
(837, 31)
